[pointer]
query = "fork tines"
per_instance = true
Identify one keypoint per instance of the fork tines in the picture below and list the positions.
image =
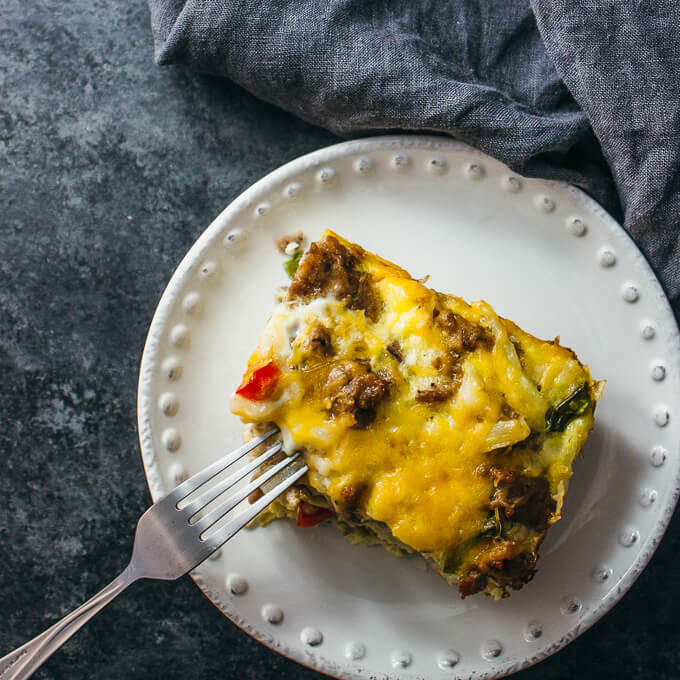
(192, 508)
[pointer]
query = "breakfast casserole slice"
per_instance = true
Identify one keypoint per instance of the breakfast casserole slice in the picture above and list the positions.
(429, 425)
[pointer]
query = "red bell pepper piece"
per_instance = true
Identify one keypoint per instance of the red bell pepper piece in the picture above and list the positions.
(260, 383)
(310, 515)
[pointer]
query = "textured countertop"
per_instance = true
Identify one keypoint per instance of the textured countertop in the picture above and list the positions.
(109, 169)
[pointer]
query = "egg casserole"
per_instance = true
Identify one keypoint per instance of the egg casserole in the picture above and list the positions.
(429, 425)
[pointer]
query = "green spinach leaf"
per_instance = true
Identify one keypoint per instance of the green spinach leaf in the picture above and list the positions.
(562, 413)
(292, 264)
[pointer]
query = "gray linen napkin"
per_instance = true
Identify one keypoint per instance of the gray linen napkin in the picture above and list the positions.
(578, 90)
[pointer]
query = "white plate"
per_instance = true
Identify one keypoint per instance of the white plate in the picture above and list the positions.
(544, 255)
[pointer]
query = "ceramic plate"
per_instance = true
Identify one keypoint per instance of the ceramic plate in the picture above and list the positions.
(554, 262)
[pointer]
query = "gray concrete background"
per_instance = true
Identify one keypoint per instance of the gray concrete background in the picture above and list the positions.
(109, 169)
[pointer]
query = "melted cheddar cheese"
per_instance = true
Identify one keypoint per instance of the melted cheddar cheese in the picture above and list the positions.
(450, 413)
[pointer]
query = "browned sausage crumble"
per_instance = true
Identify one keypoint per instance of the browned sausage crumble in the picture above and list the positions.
(462, 335)
(319, 341)
(331, 269)
(434, 394)
(395, 350)
(354, 389)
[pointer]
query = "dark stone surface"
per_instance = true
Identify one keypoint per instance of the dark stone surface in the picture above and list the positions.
(109, 169)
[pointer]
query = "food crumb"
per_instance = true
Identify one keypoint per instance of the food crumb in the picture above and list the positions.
(282, 243)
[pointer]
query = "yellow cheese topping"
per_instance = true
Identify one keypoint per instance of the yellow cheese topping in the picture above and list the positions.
(416, 466)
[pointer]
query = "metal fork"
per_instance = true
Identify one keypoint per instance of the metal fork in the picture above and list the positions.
(169, 541)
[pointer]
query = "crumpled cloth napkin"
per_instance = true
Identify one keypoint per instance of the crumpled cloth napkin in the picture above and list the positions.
(584, 91)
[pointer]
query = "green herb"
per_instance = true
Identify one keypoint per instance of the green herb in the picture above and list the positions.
(291, 265)
(493, 526)
(576, 404)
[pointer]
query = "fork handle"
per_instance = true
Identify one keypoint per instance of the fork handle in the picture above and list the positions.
(24, 661)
